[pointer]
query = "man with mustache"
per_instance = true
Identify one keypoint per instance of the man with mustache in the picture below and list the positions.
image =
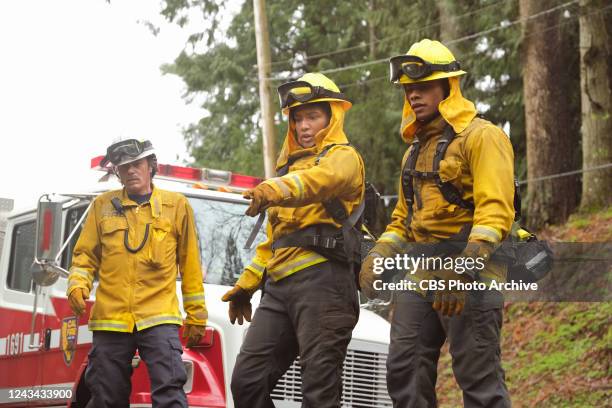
(135, 241)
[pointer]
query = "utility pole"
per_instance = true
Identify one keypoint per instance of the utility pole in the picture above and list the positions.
(265, 99)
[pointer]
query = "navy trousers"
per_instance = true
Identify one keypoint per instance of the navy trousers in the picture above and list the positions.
(110, 366)
(312, 314)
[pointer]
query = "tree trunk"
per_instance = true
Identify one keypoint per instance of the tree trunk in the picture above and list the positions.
(372, 30)
(449, 27)
(596, 91)
(552, 137)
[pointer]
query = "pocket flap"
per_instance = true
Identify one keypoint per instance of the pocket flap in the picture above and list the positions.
(163, 224)
(450, 169)
(110, 225)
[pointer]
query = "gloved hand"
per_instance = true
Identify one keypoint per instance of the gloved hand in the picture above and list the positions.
(367, 275)
(76, 299)
(477, 249)
(262, 197)
(193, 334)
(240, 304)
(450, 301)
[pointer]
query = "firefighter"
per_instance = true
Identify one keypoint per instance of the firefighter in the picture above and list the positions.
(135, 241)
(310, 303)
(462, 194)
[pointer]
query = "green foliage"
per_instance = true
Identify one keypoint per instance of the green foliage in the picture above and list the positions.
(343, 38)
(575, 339)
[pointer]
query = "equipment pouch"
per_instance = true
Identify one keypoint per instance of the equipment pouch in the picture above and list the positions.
(533, 261)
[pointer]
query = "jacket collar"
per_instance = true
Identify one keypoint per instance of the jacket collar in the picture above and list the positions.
(432, 128)
(155, 201)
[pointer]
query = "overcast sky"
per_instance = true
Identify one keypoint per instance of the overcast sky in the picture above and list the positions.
(75, 75)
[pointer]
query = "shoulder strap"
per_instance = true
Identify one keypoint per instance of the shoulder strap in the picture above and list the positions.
(448, 190)
(328, 148)
(334, 207)
(285, 169)
(517, 200)
(407, 178)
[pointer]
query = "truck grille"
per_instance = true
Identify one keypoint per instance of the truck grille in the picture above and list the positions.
(364, 382)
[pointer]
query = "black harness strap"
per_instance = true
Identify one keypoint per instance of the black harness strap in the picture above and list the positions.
(334, 207)
(448, 190)
(409, 173)
(517, 200)
(321, 235)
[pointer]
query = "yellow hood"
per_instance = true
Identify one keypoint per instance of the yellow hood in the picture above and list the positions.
(332, 134)
(456, 111)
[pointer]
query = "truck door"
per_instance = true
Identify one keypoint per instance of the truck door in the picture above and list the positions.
(19, 364)
(67, 336)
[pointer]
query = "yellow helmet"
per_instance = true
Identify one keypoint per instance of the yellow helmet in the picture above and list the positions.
(426, 60)
(310, 88)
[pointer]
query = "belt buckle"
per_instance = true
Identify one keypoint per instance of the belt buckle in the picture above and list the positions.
(315, 240)
(329, 242)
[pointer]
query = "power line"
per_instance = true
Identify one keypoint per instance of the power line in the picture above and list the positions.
(531, 34)
(416, 30)
(455, 41)
(538, 179)
(363, 82)
(565, 174)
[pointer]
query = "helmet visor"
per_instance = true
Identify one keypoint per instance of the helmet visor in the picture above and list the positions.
(302, 92)
(416, 68)
(126, 149)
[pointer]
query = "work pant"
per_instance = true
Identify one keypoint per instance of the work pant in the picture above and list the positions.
(110, 366)
(311, 313)
(417, 334)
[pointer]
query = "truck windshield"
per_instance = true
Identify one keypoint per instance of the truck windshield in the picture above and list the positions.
(223, 230)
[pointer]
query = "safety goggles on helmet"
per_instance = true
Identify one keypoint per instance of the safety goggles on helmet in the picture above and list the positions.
(302, 92)
(126, 151)
(417, 68)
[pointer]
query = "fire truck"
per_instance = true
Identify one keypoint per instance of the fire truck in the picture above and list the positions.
(44, 347)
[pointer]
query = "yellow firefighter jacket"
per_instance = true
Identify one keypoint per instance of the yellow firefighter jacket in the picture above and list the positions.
(140, 288)
(340, 173)
(479, 162)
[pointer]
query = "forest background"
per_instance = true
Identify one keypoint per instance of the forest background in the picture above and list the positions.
(540, 69)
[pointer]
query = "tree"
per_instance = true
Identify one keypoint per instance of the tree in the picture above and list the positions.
(233, 265)
(552, 118)
(596, 91)
(351, 43)
(302, 39)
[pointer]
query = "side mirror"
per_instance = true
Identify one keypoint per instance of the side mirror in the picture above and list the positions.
(45, 269)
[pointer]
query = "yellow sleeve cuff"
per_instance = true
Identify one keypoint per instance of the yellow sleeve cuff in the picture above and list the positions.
(485, 233)
(249, 280)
